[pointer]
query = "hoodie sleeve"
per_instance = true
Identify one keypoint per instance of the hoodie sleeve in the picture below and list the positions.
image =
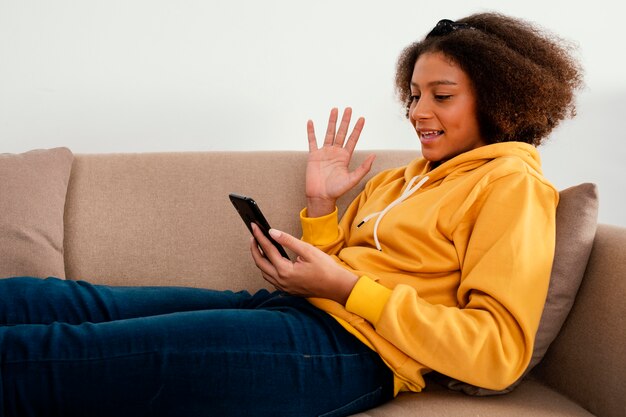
(505, 244)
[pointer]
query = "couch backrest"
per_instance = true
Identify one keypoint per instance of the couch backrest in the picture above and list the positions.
(165, 218)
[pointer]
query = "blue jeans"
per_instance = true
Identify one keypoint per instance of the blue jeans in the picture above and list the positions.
(70, 348)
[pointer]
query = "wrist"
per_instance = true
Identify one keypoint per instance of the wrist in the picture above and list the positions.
(345, 286)
(318, 207)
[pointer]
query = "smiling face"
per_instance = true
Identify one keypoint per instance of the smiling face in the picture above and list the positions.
(443, 108)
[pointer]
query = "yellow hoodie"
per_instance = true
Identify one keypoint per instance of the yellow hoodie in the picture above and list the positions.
(460, 280)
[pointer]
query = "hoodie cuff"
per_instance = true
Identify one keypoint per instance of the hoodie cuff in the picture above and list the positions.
(367, 299)
(319, 231)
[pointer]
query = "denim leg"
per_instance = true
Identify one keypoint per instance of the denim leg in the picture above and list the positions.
(26, 300)
(276, 356)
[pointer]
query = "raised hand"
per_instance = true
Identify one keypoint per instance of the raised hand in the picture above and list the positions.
(327, 175)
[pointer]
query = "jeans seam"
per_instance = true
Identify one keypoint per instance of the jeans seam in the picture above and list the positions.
(45, 360)
(130, 355)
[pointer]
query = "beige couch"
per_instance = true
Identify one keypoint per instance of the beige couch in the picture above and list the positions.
(165, 219)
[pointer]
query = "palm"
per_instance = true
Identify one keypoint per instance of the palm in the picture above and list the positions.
(327, 174)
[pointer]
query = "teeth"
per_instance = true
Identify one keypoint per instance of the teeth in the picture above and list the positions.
(430, 132)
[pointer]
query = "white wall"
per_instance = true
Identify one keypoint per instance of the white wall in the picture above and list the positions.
(191, 75)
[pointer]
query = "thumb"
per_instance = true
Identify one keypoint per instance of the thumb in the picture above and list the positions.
(361, 171)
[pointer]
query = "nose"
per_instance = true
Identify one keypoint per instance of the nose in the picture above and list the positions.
(420, 109)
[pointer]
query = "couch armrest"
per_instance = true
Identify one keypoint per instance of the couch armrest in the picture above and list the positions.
(587, 361)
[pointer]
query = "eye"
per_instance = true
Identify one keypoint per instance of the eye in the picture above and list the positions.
(415, 98)
(442, 97)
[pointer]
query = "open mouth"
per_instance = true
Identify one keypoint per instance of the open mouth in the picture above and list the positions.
(430, 134)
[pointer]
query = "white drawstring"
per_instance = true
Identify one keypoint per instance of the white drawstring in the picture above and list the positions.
(408, 191)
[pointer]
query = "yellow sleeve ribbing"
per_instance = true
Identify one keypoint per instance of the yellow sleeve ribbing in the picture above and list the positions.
(367, 299)
(319, 231)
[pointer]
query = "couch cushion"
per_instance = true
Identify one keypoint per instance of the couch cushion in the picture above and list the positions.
(531, 398)
(576, 221)
(33, 186)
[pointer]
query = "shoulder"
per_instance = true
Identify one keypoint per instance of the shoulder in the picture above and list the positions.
(512, 182)
(523, 165)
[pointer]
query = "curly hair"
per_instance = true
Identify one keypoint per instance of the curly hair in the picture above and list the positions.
(524, 78)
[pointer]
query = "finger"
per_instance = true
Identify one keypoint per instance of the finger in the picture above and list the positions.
(355, 135)
(270, 275)
(300, 248)
(310, 130)
(271, 280)
(264, 265)
(332, 125)
(270, 251)
(342, 132)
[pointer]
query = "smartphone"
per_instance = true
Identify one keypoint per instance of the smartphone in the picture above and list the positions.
(250, 213)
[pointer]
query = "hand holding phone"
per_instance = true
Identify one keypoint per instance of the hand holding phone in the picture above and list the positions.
(250, 213)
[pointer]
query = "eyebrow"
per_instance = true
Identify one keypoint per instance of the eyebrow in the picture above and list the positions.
(435, 83)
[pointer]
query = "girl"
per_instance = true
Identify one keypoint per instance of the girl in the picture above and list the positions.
(440, 265)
